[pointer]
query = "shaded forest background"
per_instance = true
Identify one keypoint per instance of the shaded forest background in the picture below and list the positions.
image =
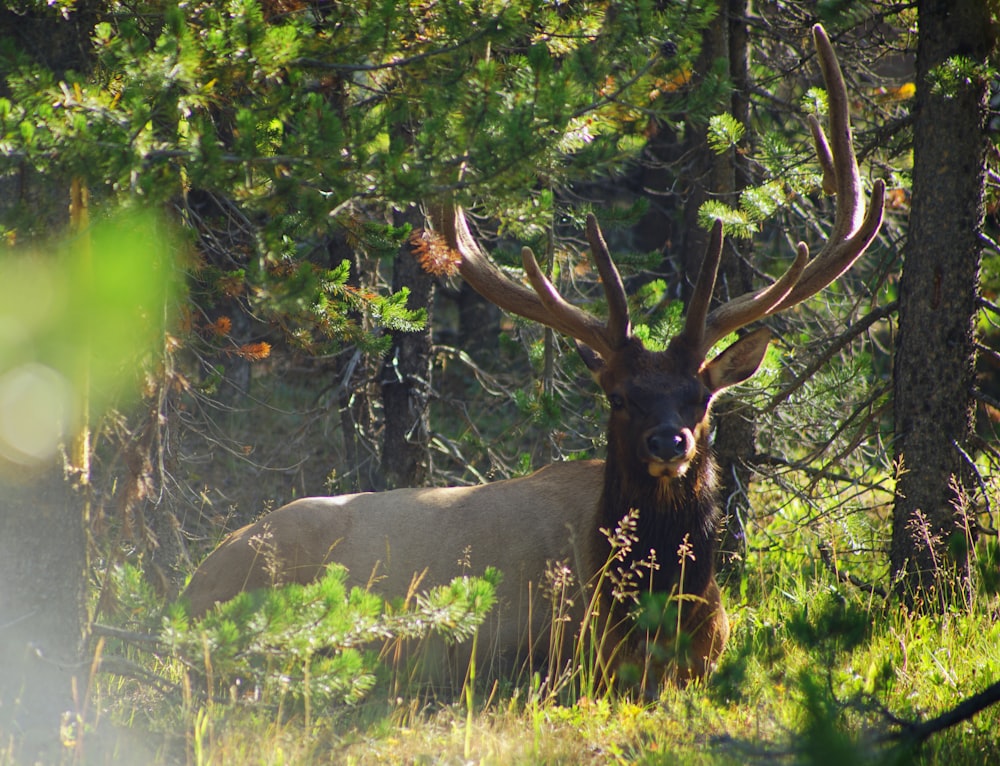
(291, 151)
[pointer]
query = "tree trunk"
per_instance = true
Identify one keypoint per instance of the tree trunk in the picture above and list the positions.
(721, 177)
(43, 576)
(938, 294)
(406, 378)
(43, 543)
(478, 326)
(353, 373)
(736, 430)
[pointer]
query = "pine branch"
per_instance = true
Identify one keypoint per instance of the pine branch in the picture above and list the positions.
(826, 555)
(915, 733)
(129, 636)
(400, 62)
(835, 347)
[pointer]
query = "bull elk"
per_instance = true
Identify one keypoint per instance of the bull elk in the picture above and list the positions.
(658, 466)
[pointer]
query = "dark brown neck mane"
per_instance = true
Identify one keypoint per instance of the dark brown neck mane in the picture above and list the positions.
(672, 513)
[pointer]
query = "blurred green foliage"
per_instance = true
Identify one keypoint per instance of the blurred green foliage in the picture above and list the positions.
(77, 322)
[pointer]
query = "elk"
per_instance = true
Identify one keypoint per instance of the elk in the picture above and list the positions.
(659, 465)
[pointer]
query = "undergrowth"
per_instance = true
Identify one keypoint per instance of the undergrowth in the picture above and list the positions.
(817, 671)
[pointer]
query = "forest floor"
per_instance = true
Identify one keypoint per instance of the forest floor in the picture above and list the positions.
(816, 672)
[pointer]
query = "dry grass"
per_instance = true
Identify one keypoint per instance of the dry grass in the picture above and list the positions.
(810, 676)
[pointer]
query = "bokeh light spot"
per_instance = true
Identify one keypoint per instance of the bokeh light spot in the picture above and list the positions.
(36, 405)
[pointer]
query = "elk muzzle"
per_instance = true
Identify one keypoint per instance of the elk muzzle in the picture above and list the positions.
(667, 451)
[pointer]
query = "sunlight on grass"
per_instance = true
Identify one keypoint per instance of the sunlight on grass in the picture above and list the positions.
(816, 672)
(819, 670)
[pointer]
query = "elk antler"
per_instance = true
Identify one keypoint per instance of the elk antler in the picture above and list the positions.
(853, 228)
(544, 304)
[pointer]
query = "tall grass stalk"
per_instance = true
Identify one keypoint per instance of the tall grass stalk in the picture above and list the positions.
(598, 641)
(470, 695)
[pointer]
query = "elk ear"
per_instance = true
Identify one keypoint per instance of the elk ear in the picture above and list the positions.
(593, 360)
(738, 362)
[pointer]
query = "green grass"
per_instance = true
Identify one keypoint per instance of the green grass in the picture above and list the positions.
(815, 673)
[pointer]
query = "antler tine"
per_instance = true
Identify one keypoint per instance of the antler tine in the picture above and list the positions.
(823, 154)
(479, 272)
(853, 227)
(850, 209)
(619, 326)
(749, 307)
(603, 338)
(694, 322)
(564, 316)
(544, 304)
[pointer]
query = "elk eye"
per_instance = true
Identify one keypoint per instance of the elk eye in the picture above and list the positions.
(616, 401)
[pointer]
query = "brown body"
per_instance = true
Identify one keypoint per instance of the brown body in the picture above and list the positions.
(376, 536)
(659, 465)
(387, 539)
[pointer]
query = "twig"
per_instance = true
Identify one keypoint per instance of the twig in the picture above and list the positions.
(988, 304)
(839, 343)
(774, 461)
(120, 666)
(130, 636)
(974, 470)
(984, 398)
(826, 555)
(916, 733)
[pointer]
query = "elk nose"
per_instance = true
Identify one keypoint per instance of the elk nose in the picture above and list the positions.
(666, 443)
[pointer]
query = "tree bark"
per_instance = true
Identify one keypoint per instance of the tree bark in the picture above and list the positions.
(478, 326)
(406, 378)
(938, 295)
(353, 374)
(719, 176)
(736, 430)
(42, 608)
(43, 542)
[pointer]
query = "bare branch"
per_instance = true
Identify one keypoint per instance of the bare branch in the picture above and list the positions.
(838, 344)
(916, 733)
